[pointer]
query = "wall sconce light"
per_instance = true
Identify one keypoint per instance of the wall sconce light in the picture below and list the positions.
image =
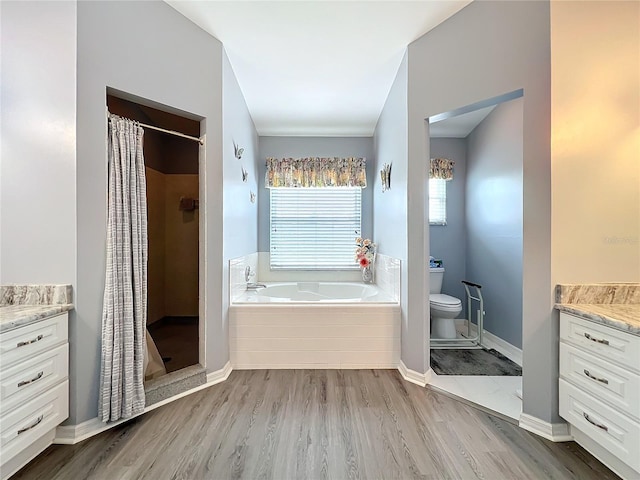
(385, 176)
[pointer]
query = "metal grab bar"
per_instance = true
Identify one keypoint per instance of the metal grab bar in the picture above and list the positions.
(469, 341)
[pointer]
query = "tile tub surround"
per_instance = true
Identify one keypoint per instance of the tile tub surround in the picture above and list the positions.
(613, 304)
(387, 274)
(24, 304)
(348, 336)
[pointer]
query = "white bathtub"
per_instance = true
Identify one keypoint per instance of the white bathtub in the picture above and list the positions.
(314, 325)
(316, 292)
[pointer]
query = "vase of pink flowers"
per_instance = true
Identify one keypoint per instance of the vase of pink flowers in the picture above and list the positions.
(366, 257)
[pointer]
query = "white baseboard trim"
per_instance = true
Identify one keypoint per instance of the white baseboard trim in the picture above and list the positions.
(412, 376)
(556, 432)
(314, 366)
(219, 375)
(72, 434)
(490, 340)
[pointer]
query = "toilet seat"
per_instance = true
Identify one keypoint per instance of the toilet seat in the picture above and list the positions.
(445, 302)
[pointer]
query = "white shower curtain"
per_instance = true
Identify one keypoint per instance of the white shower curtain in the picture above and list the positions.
(124, 316)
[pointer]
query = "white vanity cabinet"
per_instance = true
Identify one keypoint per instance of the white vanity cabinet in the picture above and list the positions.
(599, 391)
(34, 389)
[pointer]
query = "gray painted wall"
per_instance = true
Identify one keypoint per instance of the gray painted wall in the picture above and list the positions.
(38, 182)
(143, 60)
(448, 242)
(240, 215)
(494, 218)
(486, 50)
(390, 207)
(296, 147)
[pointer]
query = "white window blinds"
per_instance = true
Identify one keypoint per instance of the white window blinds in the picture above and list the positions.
(437, 201)
(314, 228)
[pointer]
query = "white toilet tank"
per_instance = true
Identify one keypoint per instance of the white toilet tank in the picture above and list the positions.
(435, 279)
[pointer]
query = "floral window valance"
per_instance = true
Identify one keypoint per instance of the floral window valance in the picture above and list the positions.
(316, 172)
(441, 168)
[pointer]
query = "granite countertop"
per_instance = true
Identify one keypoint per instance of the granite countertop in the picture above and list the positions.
(14, 316)
(621, 316)
(24, 304)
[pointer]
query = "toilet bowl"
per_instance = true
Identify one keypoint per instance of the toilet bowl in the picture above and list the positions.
(444, 309)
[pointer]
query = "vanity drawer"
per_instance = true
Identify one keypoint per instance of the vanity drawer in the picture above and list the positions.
(23, 342)
(25, 424)
(613, 431)
(609, 343)
(608, 382)
(22, 382)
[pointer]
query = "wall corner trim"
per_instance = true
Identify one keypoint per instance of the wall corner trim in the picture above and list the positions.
(412, 376)
(219, 375)
(72, 434)
(556, 432)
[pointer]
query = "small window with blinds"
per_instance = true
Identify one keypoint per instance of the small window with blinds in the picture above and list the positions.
(437, 201)
(314, 228)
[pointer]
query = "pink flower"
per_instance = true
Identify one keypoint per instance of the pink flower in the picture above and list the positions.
(363, 261)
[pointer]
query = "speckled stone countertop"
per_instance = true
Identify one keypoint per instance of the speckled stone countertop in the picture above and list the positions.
(24, 304)
(620, 316)
(616, 305)
(14, 316)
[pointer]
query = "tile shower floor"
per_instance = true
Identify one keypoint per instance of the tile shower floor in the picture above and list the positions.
(177, 341)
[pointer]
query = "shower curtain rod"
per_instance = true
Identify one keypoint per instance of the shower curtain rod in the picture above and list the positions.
(170, 132)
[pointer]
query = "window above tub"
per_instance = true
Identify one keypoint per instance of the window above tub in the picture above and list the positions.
(314, 228)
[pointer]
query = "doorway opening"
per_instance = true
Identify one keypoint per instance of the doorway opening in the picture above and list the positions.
(173, 229)
(478, 238)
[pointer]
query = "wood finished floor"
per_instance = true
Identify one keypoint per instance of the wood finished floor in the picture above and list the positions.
(316, 424)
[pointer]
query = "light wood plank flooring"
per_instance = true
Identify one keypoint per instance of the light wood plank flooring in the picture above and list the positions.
(316, 424)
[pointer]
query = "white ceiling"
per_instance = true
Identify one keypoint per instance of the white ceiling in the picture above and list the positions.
(459, 126)
(318, 68)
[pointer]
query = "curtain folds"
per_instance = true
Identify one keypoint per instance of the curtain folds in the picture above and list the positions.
(316, 172)
(124, 316)
(441, 168)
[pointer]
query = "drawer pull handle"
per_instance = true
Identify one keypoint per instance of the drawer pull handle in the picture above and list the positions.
(34, 379)
(586, 417)
(601, 380)
(37, 422)
(29, 342)
(597, 340)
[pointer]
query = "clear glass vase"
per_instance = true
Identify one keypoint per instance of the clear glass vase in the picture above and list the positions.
(367, 274)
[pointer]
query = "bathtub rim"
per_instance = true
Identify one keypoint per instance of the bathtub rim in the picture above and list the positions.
(318, 303)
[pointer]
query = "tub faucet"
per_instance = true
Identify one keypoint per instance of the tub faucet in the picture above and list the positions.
(251, 285)
(248, 273)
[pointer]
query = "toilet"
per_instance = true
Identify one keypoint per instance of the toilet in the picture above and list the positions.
(443, 308)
